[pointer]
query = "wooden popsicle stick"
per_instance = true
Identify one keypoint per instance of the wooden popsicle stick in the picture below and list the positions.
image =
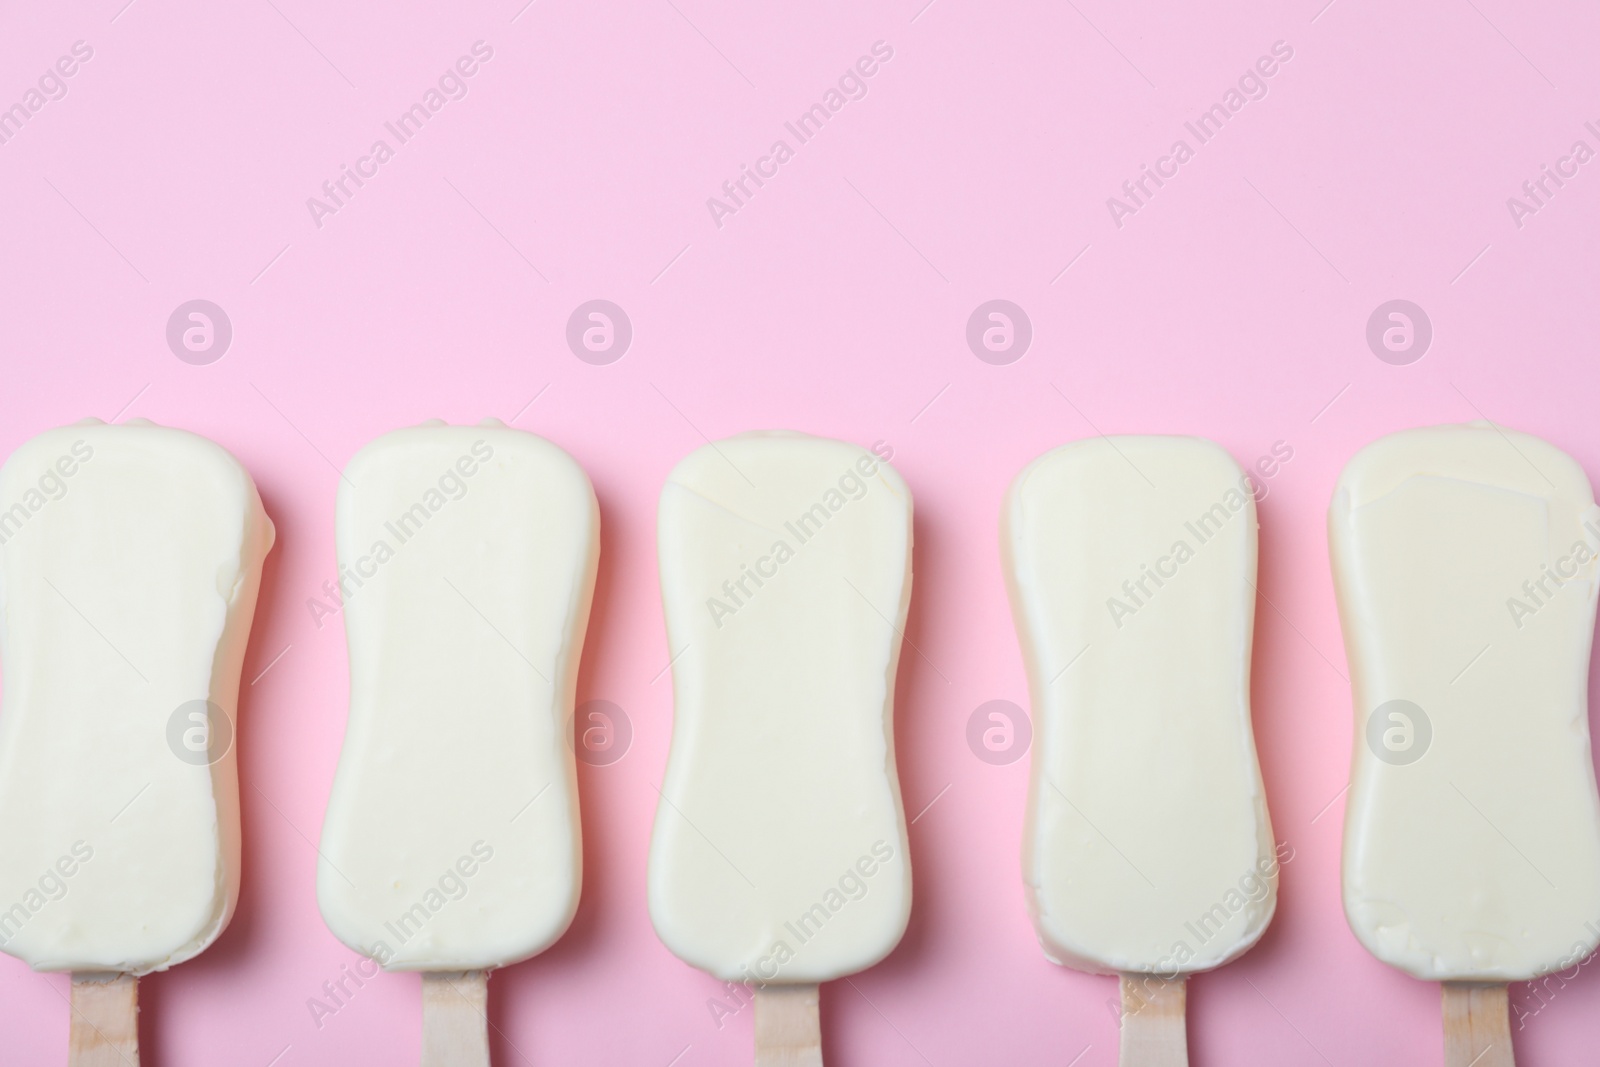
(1153, 1024)
(455, 1019)
(105, 1020)
(788, 1026)
(1477, 1025)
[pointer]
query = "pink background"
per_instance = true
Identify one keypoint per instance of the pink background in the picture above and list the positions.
(1233, 305)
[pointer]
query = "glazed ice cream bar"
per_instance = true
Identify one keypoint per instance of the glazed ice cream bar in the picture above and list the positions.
(779, 849)
(130, 558)
(467, 559)
(1131, 565)
(1464, 558)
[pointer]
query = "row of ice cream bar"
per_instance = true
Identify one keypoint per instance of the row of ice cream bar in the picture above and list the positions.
(1464, 560)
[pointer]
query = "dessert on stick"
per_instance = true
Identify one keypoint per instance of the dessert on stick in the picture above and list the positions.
(130, 558)
(1464, 559)
(1148, 852)
(778, 856)
(451, 846)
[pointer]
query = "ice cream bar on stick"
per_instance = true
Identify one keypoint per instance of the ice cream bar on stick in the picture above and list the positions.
(1464, 559)
(452, 846)
(1148, 853)
(779, 857)
(130, 557)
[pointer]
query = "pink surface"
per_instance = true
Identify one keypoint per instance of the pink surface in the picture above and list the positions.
(1232, 303)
